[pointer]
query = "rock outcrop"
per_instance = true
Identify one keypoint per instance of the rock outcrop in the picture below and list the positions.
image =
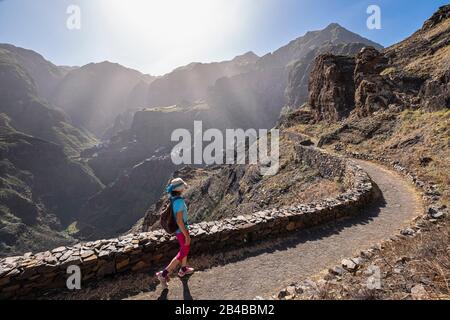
(435, 93)
(332, 87)
(373, 91)
(298, 81)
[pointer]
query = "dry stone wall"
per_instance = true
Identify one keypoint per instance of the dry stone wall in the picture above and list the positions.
(20, 276)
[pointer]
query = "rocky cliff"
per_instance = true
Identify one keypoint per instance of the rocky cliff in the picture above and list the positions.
(41, 192)
(332, 88)
(298, 81)
(297, 49)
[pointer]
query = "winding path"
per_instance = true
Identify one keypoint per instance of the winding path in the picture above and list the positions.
(264, 268)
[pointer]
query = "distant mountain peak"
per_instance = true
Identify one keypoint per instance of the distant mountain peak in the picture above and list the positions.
(333, 34)
(334, 25)
(248, 57)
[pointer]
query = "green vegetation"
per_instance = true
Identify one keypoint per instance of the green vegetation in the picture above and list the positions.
(72, 228)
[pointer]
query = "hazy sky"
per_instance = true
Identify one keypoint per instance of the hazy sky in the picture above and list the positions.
(155, 36)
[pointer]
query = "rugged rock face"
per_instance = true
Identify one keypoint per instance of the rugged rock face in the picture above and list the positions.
(331, 88)
(374, 92)
(435, 93)
(298, 81)
(249, 94)
(439, 16)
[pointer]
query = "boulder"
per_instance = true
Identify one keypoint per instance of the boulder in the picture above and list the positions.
(349, 264)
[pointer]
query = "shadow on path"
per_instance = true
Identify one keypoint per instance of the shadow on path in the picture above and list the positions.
(186, 291)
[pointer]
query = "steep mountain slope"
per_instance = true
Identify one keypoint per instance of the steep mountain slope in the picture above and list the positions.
(116, 209)
(95, 94)
(41, 188)
(44, 73)
(41, 191)
(32, 115)
(251, 99)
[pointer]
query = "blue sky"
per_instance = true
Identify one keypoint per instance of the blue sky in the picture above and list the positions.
(156, 36)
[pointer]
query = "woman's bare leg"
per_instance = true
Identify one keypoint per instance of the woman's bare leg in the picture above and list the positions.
(172, 265)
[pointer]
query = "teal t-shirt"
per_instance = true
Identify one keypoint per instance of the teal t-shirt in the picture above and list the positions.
(180, 205)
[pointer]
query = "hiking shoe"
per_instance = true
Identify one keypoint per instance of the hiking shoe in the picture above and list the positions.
(186, 272)
(162, 279)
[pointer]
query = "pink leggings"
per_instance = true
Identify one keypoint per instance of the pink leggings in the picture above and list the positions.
(184, 248)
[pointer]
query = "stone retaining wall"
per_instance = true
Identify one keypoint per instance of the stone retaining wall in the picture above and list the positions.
(19, 276)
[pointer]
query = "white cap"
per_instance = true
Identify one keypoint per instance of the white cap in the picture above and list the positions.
(178, 184)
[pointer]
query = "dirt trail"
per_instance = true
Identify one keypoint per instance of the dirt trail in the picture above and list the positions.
(262, 270)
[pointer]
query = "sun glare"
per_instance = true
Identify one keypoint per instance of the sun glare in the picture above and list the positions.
(175, 27)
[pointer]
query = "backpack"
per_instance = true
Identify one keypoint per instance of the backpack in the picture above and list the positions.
(166, 219)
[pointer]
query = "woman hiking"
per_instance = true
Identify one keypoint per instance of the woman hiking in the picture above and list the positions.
(175, 190)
